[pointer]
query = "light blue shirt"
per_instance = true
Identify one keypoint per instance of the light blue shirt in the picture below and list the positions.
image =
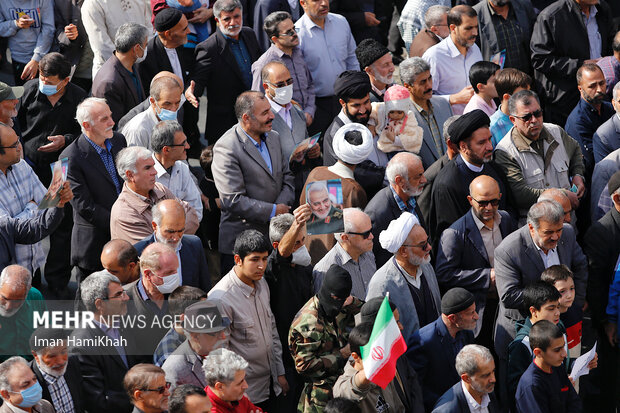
(594, 37)
(328, 52)
(264, 153)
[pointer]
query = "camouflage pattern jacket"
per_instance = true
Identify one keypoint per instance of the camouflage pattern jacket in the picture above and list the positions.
(315, 345)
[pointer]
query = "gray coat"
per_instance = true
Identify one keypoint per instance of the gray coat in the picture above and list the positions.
(517, 264)
(606, 139)
(389, 278)
(248, 190)
(442, 111)
(184, 367)
(603, 170)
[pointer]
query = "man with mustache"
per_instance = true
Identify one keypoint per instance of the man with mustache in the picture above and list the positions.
(451, 59)
(506, 25)
(536, 156)
(58, 374)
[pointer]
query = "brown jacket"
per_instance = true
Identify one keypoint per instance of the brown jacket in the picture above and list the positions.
(43, 406)
(421, 42)
(131, 216)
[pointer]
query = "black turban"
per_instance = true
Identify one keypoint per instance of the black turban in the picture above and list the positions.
(352, 84)
(369, 51)
(465, 125)
(456, 300)
(167, 19)
(337, 282)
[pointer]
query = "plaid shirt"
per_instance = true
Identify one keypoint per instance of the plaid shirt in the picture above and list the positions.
(510, 36)
(604, 202)
(500, 126)
(409, 206)
(18, 187)
(61, 396)
(108, 160)
(171, 341)
(412, 18)
(611, 69)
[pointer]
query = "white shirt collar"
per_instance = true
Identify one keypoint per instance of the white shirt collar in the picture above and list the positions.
(343, 117)
(472, 166)
(159, 167)
(341, 170)
(279, 109)
(473, 405)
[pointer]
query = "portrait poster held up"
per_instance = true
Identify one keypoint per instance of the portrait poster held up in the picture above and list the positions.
(59, 176)
(325, 200)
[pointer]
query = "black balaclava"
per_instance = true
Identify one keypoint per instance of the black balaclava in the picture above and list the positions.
(337, 282)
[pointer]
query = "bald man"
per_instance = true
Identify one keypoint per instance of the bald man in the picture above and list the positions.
(560, 196)
(169, 228)
(120, 258)
(466, 250)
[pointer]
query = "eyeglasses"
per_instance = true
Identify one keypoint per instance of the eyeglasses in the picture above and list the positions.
(13, 146)
(364, 234)
(528, 116)
(421, 245)
(160, 390)
(287, 82)
(290, 33)
(493, 202)
(179, 144)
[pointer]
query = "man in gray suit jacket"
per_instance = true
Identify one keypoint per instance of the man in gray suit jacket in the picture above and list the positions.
(204, 327)
(607, 136)
(250, 173)
(524, 255)
(430, 112)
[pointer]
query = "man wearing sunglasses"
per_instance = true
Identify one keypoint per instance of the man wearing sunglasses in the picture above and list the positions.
(536, 156)
(147, 388)
(465, 256)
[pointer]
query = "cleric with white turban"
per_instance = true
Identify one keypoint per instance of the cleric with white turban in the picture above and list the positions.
(392, 238)
(352, 143)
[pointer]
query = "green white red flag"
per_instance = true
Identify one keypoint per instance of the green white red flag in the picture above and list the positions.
(386, 344)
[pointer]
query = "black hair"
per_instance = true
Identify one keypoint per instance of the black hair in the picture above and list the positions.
(481, 72)
(456, 13)
(555, 273)
(271, 23)
(354, 137)
(359, 336)
(250, 241)
(182, 297)
(176, 402)
(537, 294)
(341, 405)
(509, 79)
(55, 64)
(542, 333)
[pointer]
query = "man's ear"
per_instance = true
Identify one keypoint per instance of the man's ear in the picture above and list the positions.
(538, 352)
(238, 260)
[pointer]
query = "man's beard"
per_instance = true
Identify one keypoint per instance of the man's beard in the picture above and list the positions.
(9, 313)
(173, 245)
(356, 119)
(596, 99)
(417, 260)
(49, 370)
(500, 3)
(388, 80)
(321, 216)
(413, 191)
(480, 389)
(231, 32)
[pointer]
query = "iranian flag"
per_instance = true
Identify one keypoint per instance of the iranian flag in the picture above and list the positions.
(386, 344)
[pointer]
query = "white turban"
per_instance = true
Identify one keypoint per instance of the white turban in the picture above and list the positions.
(348, 153)
(397, 232)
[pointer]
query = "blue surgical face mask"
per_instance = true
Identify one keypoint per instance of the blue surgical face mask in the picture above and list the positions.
(47, 90)
(31, 395)
(165, 114)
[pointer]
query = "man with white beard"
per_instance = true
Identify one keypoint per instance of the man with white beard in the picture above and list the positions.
(408, 277)
(18, 302)
(405, 173)
(169, 228)
(326, 218)
(58, 374)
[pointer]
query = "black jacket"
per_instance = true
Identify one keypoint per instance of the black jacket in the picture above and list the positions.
(68, 12)
(157, 61)
(73, 377)
(559, 47)
(353, 12)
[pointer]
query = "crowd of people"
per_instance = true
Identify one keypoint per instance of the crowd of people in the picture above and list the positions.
(456, 160)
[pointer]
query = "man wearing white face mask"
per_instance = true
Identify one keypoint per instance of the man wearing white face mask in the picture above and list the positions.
(169, 228)
(20, 389)
(289, 275)
(149, 294)
(165, 100)
(289, 121)
(353, 252)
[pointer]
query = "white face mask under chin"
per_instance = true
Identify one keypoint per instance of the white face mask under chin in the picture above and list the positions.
(301, 257)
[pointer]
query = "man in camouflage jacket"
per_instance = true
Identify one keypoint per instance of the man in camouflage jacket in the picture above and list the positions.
(318, 338)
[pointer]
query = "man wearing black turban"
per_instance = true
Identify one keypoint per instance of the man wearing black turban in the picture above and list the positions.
(471, 134)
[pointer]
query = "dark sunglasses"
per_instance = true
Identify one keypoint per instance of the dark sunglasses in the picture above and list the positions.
(494, 202)
(528, 116)
(287, 82)
(178, 144)
(364, 235)
(160, 390)
(422, 245)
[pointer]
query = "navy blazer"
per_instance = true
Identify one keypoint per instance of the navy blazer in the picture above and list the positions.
(383, 209)
(194, 269)
(454, 401)
(462, 259)
(94, 194)
(606, 139)
(432, 354)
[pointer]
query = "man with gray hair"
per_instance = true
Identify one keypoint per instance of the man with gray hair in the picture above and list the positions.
(20, 388)
(117, 81)
(18, 302)
(430, 112)
(405, 174)
(224, 67)
(435, 30)
(607, 136)
(94, 181)
(353, 252)
(523, 255)
(559, 196)
(169, 146)
(475, 365)
(165, 101)
(104, 366)
(131, 214)
(250, 173)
